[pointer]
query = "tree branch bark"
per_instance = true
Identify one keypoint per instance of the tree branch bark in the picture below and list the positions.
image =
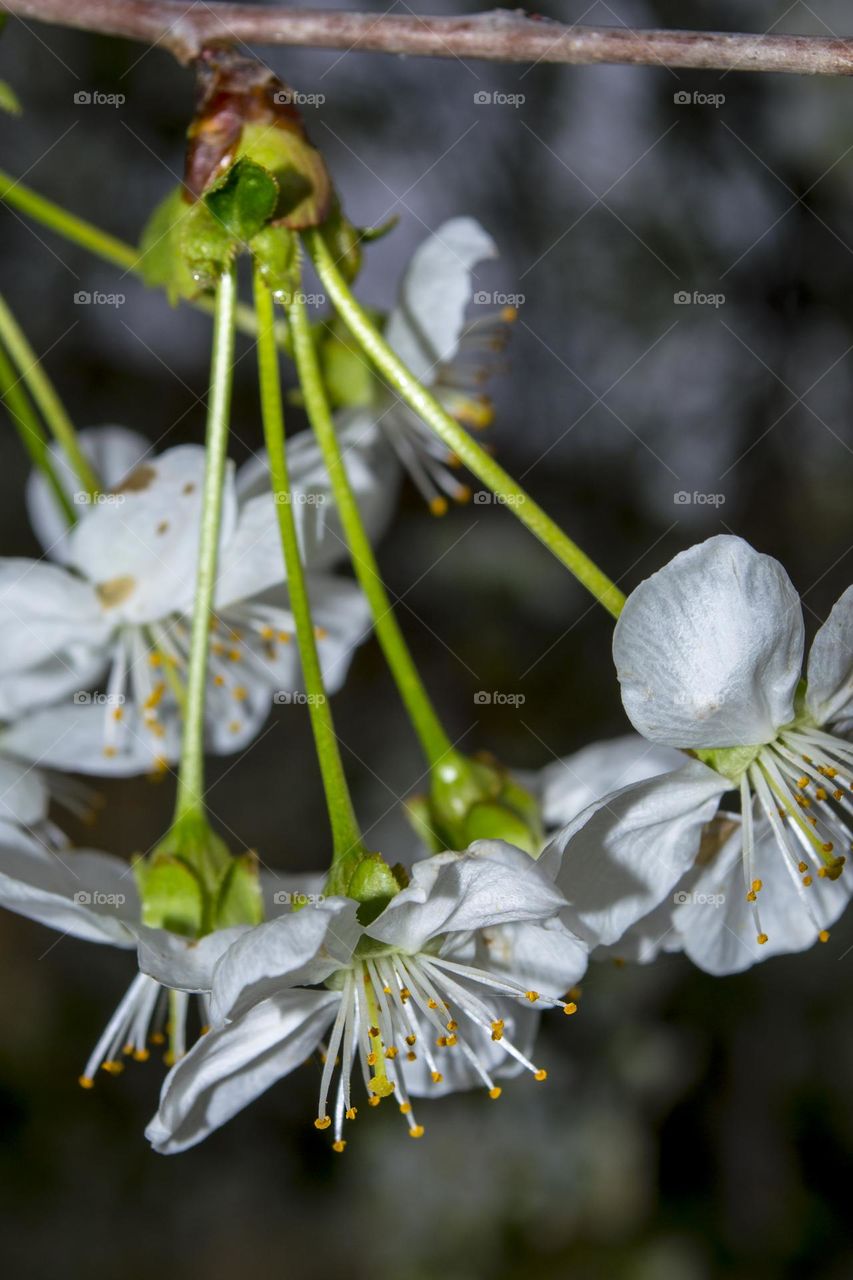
(502, 35)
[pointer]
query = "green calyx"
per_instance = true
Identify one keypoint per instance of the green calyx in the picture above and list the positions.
(191, 885)
(476, 800)
(349, 379)
(730, 762)
(371, 883)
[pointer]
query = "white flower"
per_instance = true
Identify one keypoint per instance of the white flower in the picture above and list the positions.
(435, 994)
(709, 654)
(118, 610)
(86, 894)
(428, 331)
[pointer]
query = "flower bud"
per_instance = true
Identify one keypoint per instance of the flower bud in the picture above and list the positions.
(476, 800)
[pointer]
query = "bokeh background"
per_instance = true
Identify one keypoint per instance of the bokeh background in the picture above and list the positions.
(691, 1127)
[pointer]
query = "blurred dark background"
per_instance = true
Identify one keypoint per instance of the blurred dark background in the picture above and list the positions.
(691, 1127)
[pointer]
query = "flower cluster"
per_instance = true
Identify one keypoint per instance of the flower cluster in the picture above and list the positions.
(720, 828)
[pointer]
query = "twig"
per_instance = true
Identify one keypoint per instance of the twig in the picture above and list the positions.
(502, 35)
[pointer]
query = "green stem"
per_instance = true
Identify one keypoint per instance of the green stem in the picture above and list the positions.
(103, 245)
(434, 741)
(475, 458)
(29, 428)
(191, 780)
(346, 837)
(43, 393)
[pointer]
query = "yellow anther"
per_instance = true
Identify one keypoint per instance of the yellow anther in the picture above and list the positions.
(452, 1026)
(820, 793)
(438, 506)
(267, 633)
(803, 866)
(411, 1039)
(118, 713)
(437, 1077)
(321, 633)
(109, 752)
(495, 1092)
(127, 1050)
(219, 681)
(373, 1031)
(339, 1145)
(757, 886)
(498, 1029)
(827, 847)
(431, 1004)
(386, 991)
(154, 660)
(374, 1101)
(451, 1040)
(541, 1074)
(234, 655)
(157, 1038)
(807, 880)
(411, 1056)
(240, 693)
(751, 897)
(570, 1008)
(85, 1082)
(371, 1059)
(416, 1131)
(322, 1122)
(284, 637)
(803, 781)
(823, 936)
(351, 1113)
(405, 1108)
(141, 1055)
(509, 314)
(761, 939)
(405, 993)
(463, 493)
(112, 1067)
(532, 996)
(391, 1052)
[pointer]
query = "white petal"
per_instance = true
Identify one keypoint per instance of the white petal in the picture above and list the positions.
(492, 883)
(623, 855)
(71, 737)
(301, 947)
(51, 633)
(23, 794)
(113, 452)
(425, 326)
(84, 894)
(139, 547)
(186, 964)
(568, 786)
(283, 889)
(829, 691)
(544, 957)
(717, 924)
(709, 649)
(228, 1068)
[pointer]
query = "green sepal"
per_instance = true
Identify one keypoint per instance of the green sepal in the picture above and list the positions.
(373, 885)
(243, 200)
(172, 895)
(345, 240)
(240, 900)
(276, 254)
(9, 100)
(491, 821)
(730, 762)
